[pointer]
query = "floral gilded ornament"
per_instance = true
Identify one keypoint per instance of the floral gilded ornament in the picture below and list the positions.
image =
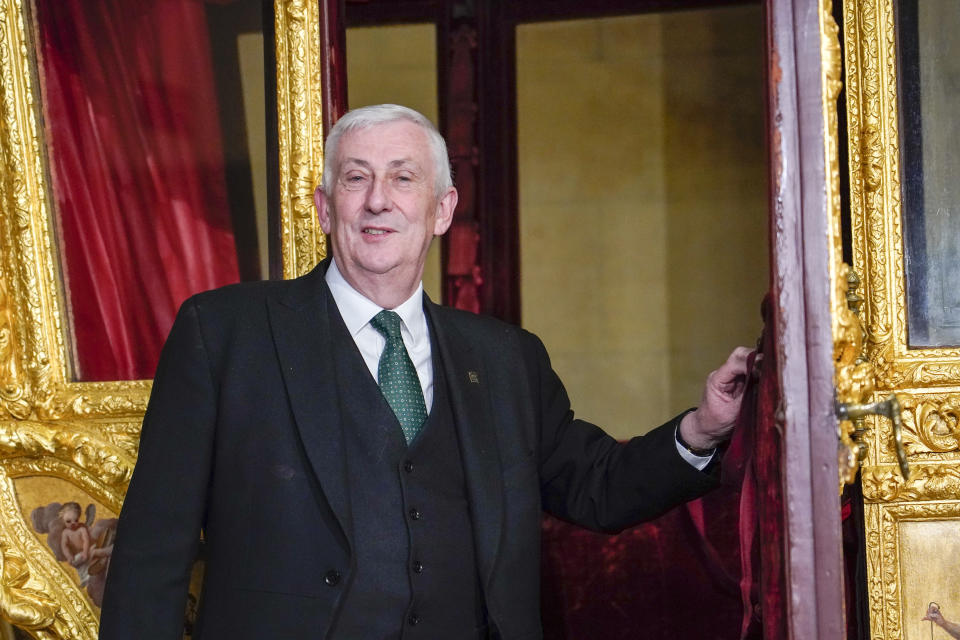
(932, 423)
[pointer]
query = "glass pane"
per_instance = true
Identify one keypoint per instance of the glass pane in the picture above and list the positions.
(397, 64)
(642, 204)
(929, 94)
(154, 122)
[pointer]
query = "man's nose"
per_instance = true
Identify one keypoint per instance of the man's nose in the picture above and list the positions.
(378, 196)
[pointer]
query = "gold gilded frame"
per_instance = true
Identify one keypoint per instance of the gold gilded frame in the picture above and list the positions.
(927, 381)
(84, 432)
(853, 377)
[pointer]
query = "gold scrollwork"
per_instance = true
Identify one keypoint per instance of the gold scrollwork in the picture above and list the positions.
(931, 423)
(926, 380)
(873, 143)
(300, 128)
(12, 390)
(77, 445)
(87, 433)
(854, 377)
(932, 481)
(32, 340)
(896, 370)
(26, 607)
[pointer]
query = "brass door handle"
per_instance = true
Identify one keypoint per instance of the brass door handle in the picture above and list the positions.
(889, 408)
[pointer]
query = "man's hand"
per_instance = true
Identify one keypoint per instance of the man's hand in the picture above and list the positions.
(713, 421)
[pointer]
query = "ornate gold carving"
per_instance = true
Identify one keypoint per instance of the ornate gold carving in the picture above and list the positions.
(875, 585)
(86, 433)
(854, 377)
(933, 481)
(28, 608)
(873, 137)
(300, 130)
(79, 446)
(931, 423)
(927, 381)
(30, 308)
(896, 370)
(12, 391)
(831, 85)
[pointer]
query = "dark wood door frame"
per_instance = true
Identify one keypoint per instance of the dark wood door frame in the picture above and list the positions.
(801, 288)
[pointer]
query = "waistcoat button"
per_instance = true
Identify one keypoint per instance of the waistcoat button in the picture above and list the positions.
(332, 578)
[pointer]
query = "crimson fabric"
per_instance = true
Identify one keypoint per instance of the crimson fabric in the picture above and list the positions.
(655, 580)
(768, 454)
(137, 171)
(712, 568)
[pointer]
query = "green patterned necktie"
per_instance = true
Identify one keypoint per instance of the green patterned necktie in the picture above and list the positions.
(397, 377)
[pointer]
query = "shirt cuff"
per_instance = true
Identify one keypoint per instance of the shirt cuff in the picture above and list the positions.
(697, 462)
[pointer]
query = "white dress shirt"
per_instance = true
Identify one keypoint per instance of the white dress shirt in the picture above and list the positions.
(357, 311)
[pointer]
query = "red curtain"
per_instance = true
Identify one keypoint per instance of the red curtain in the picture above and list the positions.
(656, 580)
(711, 569)
(137, 171)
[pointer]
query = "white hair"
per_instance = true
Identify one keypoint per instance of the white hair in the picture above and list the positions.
(366, 117)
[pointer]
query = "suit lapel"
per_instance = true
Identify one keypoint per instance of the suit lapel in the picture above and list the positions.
(473, 417)
(301, 332)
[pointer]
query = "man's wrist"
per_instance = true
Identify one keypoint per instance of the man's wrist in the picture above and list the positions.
(703, 453)
(698, 447)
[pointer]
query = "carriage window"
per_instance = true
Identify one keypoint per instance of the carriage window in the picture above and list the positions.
(155, 129)
(929, 93)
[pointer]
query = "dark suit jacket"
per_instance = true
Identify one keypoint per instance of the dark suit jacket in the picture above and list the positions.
(242, 439)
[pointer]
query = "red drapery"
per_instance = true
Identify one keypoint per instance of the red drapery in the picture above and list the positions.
(711, 569)
(137, 170)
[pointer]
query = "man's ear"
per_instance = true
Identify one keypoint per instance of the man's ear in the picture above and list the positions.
(323, 209)
(445, 208)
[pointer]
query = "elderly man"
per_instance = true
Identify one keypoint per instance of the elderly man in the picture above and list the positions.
(363, 463)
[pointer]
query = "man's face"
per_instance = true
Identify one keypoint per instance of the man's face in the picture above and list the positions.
(384, 210)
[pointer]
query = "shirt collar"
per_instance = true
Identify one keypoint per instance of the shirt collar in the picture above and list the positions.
(357, 310)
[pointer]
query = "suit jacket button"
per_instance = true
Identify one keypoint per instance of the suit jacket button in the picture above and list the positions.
(414, 514)
(414, 619)
(408, 466)
(418, 567)
(332, 578)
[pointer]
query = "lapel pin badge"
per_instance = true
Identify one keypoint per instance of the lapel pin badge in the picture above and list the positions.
(473, 377)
